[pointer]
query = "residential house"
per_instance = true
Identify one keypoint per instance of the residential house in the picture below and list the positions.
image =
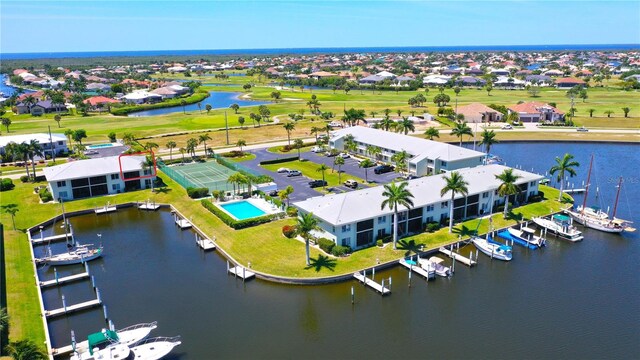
(477, 112)
(141, 97)
(97, 103)
(536, 112)
(566, 83)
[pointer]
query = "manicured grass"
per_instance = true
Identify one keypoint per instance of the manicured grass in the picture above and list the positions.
(309, 169)
(245, 157)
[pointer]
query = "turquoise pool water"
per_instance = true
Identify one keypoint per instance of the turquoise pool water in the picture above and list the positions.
(243, 210)
(99, 146)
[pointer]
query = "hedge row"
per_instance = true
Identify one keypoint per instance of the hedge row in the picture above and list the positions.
(278, 161)
(197, 193)
(192, 99)
(236, 224)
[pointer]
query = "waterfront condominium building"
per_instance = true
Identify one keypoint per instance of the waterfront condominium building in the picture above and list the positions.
(426, 157)
(356, 219)
(101, 176)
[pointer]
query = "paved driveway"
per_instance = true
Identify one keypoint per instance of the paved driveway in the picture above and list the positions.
(351, 167)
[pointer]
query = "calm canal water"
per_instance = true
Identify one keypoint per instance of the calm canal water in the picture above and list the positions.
(564, 301)
(217, 100)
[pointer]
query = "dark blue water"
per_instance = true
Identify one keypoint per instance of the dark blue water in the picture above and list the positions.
(217, 100)
(380, 49)
(565, 301)
(9, 90)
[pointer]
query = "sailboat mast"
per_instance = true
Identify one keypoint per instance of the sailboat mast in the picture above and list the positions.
(64, 222)
(615, 206)
(586, 191)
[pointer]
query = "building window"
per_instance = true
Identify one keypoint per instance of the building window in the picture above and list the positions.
(430, 207)
(115, 176)
(147, 182)
(60, 143)
(485, 195)
(346, 228)
(346, 241)
(444, 204)
(62, 194)
(382, 219)
(430, 219)
(443, 163)
(115, 187)
(61, 183)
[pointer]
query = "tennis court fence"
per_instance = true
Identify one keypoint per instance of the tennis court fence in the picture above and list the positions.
(174, 175)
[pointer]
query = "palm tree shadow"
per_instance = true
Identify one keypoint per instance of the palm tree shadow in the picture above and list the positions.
(514, 216)
(322, 262)
(464, 231)
(162, 190)
(409, 246)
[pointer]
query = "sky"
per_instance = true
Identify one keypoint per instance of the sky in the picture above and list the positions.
(75, 26)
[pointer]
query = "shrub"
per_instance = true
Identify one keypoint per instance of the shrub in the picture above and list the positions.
(6, 184)
(289, 231)
(432, 227)
(291, 211)
(24, 178)
(535, 198)
(326, 245)
(340, 250)
(379, 243)
(45, 195)
(191, 99)
(197, 193)
(233, 223)
(278, 161)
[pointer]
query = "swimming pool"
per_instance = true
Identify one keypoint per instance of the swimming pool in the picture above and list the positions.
(242, 210)
(100, 146)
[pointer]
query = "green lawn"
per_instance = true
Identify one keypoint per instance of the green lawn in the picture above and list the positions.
(309, 169)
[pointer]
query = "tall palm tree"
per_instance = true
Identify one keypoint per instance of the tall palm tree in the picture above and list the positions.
(507, 187)
(202, 139)
(192, 143)
(564, 165)
(322, 168)
(315, 131)
(182, 152)
(455, 184)
(365, 164)
(240, 143)
(460, 130)
(488, 139)
(386, 123)
(129, 139)
(400, 159)
(35, 149)
(405, 125)
(395, 195)
(298, 144)
(339, 161)
(171, 145)
(285, 194)
(23, 154)
(289, 127)
(374, 151)
(4, 320)
(431, 133)
(25, 350)
(236, 179)
(306, 224)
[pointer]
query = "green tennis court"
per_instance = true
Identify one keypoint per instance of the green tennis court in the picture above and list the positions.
(208, 174)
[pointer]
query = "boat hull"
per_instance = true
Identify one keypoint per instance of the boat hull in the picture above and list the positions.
(71, 258)
(557, 229)
(491, 250)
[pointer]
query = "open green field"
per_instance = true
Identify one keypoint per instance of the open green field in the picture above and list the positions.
(309, 169)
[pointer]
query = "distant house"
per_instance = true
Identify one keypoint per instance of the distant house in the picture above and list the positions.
(434, 80)
(40, 108)
(98, 86)
(97, 103)
(539, 79)
(553, 72)
(509, 82)
(141, 97)
(57, 143)
(500, 72)
(470, 81)
(536, 112)
(322, 74)
(177, 69)
(371, 79)
(568, 83)
(477, 112)
(171, 91)
(95, 177)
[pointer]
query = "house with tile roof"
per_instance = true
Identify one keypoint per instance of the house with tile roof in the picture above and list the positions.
(477, 112)
(567, 83)
(536, 112)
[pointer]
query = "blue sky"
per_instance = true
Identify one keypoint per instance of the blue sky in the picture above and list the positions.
(61, 26)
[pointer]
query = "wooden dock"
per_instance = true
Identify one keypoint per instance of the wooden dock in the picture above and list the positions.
(183, 223)
(106, 209)
(73, 308)
(148, 206)
(206, 244)
(53, 238)
(458, 257)
(372, 284)
(64, 280)
(242, 272)
(418, 270)
(574, 191)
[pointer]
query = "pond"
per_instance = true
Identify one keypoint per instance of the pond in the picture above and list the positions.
(217, 100)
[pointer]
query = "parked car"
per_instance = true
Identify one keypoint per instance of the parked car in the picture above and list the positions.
(335, 124)
(317, 149)
(381, 169)
(91, 152)
(408, 177)
(351, 184)
(283, 170)
(582, 128)
(344, 155)
(507, 127)
(317, 183)
(273, 193)
(331, 153)
(294, 173)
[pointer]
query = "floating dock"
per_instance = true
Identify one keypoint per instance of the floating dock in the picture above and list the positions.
(241, 272)
(183, 223)
(372, 284)
(53, 238)
(206, 244)
(73, 308)
(64, 280)
(106, 209)
(148, 206)
(417, 269)
(458, 257)
(573, 191)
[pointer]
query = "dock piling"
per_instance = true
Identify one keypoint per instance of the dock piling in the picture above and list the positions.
(86, 268)
(410, 268)
(73, 341)
(373, 274)
(55, 273)
(104, 310)
(352, 296)
(93, 282)
(389, 283)
(111, 326)
(98, 295)
(64, 303)
(381, 292)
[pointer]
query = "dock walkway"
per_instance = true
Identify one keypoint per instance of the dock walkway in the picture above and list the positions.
(54, 238)
(206, 244)
(241, 272)
(372, 284)
(105, 209)
(183, 223)
(73, 308)
(64, 280)
(418, 270)
(458, 257)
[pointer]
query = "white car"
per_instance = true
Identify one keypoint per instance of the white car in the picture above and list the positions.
(582, 129)
(91, 152)
(507, 127)
(317, 149)
(344, 155)
(283, 170)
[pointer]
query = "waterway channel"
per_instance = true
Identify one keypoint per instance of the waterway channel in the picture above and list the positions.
(568, 300)
(217, 100)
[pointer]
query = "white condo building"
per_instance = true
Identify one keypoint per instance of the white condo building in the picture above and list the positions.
(426, 157)
(56, 143)
(95, 177)
(356, 219)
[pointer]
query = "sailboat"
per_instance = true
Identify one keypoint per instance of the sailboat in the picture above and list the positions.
(560, 225)
(594, 217)
(491, 248)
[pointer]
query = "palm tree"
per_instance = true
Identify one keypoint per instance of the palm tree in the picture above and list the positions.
(128, 139)
(591, 111)
(306, 224)
(488, 139)
(513, 117)
(236, 179)
(374, 151)
(240, 143)
(202, 139)
(208, 107)
(396, 194)
(10, 209)
(35, 149)
(6, 122)
(25, 350)
(192, 143)
(405, 125)
(298, 144)
(285, 194)
(365, 164)
(22, 151)
(432, 132)
(315, 131)
(182, 151)
(289, 127)
(455, 184)
(171, 145)
(460, 130)
(339, 161)
(235, 107)
(564, 165)
(626, 111)
(322, 168)
(57, 118)
(386, 123)
(507, 187)
(607, 112)
(400, 159)
(184, 108)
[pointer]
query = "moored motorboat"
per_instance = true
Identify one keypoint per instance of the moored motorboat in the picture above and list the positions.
(492, 249)
(127, 336)
(527, 235)
(438, 264)
(76, 255)
(560, 225)
(107, 347)
(155, 348)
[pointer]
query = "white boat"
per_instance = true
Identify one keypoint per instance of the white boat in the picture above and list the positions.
(127, 336)
(155, 348)
(560, 225)
(76, 255)
(527, 235)
(106, 346)
(493, 250)
(437, 264)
